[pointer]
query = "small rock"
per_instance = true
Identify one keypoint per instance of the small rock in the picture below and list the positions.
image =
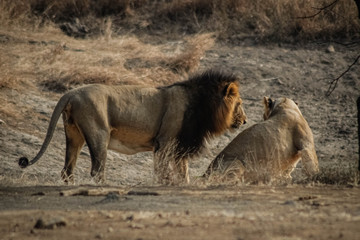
(52, 224)
(110, 198)
(38, 194)
(136, 226)
(307, 198)
(39, 224)
(143, 193)
(288, 202)
(99, 236)
(330, 49)
(129, 218)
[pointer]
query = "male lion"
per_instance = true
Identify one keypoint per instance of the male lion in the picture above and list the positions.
(132, 119)
(271, 148)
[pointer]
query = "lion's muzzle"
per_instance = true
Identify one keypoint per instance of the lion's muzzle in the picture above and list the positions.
(237, 124)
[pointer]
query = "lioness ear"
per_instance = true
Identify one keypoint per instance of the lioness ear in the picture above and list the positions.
(265, 101)
(231, 90)
(268, 102)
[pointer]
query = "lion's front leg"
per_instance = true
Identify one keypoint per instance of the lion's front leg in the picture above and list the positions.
(169, 170)
(182, 170)
(164, 168)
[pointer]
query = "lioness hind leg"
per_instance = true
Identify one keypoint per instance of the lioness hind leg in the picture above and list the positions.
(74, 144)
(310, 161)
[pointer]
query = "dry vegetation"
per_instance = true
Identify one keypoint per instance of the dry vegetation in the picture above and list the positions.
(32, 32)
(280, 20)
(57, 45)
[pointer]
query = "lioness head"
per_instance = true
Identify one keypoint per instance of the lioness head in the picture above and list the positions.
(271, 105)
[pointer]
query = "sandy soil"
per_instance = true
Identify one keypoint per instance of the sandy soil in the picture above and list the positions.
(139, 209)
(247, 212)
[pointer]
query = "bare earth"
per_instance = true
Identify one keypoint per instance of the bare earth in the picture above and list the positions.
(248, 212)
(35, 204)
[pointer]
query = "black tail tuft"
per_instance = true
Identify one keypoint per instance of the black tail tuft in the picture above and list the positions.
(23, 162)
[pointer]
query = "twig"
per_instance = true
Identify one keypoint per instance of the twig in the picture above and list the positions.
(91, 191)
(335, 81)
(349, 44)
(319, 10)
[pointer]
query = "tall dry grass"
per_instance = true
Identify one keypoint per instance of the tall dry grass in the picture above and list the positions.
(34, 47)
(49, 59)
(277, 20)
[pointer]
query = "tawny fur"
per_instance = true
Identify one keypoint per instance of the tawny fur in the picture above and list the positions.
(132, 119)
(271, 148)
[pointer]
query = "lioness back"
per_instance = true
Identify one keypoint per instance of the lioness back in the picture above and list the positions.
(270, 148)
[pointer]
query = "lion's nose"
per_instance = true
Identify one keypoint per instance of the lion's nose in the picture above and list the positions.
(244, 122)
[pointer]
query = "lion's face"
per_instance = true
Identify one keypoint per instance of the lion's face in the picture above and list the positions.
(239, 116)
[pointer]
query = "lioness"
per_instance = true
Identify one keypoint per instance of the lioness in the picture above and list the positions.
(271, 148)
(132, 119)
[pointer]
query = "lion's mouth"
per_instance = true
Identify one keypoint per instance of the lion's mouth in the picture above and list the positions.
(238, 124)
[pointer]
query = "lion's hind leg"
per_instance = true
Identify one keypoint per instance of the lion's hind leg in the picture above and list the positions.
(74, 144)
(97, 142)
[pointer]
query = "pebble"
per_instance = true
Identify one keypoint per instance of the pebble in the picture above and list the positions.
(51, 224)
(330, 49)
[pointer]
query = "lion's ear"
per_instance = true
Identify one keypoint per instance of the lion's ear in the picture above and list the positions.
(231, 90)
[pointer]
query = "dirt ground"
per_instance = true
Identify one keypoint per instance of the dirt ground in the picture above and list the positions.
(157, 212)
(35, 203)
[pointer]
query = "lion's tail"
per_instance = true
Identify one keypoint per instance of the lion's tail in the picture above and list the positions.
(23, 161)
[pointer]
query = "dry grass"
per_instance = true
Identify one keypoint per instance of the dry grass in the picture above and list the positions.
(277, 20)
(188, 61)
(167, 167)
(59, 63)
(33, 46)
(259, 172)
(255, 172)
(339, 174)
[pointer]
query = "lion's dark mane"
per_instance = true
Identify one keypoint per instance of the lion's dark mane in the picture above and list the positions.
(206, 93)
